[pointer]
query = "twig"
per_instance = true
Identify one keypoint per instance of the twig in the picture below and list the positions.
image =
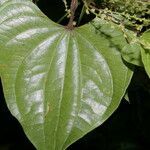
(73, 7)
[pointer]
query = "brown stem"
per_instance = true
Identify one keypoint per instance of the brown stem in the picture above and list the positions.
(73, 7)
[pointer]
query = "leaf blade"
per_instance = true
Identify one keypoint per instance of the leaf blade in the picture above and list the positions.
(145, 41)
(52, 73)
(120, 81)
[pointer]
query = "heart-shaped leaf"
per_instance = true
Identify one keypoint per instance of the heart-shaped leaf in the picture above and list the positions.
(59, 83)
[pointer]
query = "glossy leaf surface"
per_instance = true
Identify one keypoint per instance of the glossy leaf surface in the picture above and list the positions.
(59, 83)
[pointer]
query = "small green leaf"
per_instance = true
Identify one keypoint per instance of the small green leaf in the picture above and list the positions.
(145, 41)
(126, 97)
(132, 54)
(146, 60)
(59, 83)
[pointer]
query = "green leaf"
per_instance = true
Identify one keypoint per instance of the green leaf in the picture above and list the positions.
(146, 60)
(132, 53)
(145, 41)
(121, 75)
(126, 41)
(59, 83)
(126, 97)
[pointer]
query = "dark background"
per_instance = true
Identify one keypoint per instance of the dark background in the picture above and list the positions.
(127, 129)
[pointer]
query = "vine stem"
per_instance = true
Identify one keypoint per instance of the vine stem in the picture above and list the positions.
(73, 7)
